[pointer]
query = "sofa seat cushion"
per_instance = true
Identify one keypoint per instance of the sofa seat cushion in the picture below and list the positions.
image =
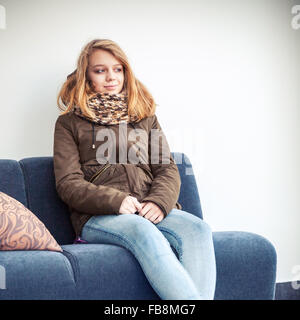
(36, 275)
(104, 271)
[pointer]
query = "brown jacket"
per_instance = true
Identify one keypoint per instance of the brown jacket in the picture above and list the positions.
(92, 188)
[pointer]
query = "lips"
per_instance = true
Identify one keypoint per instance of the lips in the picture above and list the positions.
(110, 88)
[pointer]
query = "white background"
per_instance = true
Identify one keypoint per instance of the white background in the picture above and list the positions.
(226, 77)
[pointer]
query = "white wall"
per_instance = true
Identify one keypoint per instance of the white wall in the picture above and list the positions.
(225, 74)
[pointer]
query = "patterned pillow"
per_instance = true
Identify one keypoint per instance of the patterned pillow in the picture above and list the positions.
(20, 229)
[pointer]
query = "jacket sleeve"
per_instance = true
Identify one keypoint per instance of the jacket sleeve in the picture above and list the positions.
(71, 186)
(165, 187)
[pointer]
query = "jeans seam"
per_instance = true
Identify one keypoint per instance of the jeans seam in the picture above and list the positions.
(179, 242)
(126, 241)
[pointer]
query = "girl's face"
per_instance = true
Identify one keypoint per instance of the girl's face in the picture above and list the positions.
(105, 72)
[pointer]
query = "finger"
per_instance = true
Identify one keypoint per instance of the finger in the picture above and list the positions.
(142, 206)
(153, 218)
(152, 212)
(138, 205)
(134, 204)
(142, 211)
(129, 208)
(145, 209)
(158, 219)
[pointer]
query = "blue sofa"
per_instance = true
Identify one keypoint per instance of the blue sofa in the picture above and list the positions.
(246, 262)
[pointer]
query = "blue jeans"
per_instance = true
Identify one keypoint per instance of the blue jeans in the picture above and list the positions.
(176, 255)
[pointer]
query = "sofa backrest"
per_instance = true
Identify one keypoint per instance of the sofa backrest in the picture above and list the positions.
(189, 195)
(12, 180)
(43, 200)
(31, 181)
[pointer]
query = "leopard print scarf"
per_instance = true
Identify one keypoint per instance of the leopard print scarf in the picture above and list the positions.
(108, 108)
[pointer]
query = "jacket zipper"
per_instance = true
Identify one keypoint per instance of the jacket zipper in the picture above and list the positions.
(98, 173)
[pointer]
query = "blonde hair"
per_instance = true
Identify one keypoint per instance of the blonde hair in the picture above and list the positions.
(77, 89)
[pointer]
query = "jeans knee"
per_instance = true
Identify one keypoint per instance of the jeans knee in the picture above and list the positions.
(203, 229)
(206, 227)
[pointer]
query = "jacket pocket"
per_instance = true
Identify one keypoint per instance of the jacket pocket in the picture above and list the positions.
(99, 173)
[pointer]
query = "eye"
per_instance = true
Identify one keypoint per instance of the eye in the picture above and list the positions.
(102, 70)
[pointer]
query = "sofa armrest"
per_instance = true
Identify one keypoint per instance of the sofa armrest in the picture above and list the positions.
(246, 266)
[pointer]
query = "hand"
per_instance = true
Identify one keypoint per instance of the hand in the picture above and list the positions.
(130, 205)
(151, 211)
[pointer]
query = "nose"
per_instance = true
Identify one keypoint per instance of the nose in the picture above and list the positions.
(110, 75)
